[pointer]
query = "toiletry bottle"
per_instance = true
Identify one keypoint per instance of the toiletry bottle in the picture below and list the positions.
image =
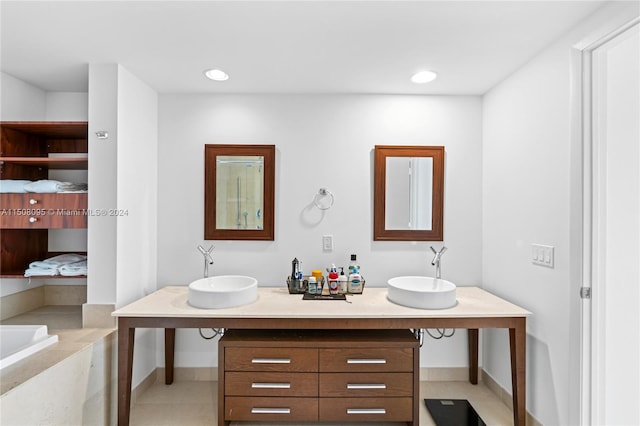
(312, 285)
(355, 283)
(317, 273)
(333, 283)
(353, 264)
(342, 282)
(295, 268)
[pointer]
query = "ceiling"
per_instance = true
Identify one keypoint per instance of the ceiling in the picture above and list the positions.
(282, 47)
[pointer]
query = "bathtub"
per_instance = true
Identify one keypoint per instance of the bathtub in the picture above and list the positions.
(19, 341)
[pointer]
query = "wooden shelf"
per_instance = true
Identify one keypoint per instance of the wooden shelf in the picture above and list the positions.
(66, 163)
(17, 274)
(53, 129)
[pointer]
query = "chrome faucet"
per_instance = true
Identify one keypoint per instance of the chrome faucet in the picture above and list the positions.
(208, 260)
(436, 260)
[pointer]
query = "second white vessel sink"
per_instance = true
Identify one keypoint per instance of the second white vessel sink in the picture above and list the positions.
(422, 292)
(223, 291)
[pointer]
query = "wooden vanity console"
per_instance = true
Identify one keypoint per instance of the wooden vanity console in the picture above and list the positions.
(318, 375)
(320, 334)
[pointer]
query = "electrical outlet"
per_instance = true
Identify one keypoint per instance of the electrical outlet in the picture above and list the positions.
(327, 242)
(542, 255)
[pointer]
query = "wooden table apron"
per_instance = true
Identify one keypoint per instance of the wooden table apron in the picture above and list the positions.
(516, 326)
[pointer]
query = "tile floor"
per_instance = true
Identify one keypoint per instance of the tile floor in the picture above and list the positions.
(190, 403)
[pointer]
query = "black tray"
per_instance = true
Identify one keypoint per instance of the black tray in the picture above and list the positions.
(309, 296)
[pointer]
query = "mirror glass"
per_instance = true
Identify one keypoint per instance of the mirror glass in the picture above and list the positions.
(408, 193)
(239, 189)
(239, 192)
(408, 187)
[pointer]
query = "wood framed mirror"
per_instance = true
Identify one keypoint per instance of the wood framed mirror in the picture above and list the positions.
(239, 187)
(408, 193)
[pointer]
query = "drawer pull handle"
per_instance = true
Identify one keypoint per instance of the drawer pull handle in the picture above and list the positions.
(33, 219)
(270, 361)
(367, 361)
(366, 411)
(33, 201)
(256, 410)
(366, 386)
(271, 385)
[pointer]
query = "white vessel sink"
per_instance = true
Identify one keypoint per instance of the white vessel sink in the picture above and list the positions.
(422, 292)
(223, 291)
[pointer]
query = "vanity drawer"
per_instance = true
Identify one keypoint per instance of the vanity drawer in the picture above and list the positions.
(270, 359)
(271, 384)
(270, 409)
(366, 359)
(366, 409)
(366, 384)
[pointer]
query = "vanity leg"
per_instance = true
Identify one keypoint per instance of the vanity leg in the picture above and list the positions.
(126, 337)
(473, 355)
(169, 351)
(517, 343)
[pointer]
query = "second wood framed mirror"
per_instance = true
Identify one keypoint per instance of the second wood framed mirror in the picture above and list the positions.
(408, 193)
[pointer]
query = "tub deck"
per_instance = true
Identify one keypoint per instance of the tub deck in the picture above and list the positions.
(63, 321)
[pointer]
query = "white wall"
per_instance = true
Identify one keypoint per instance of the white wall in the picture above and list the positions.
(529, 185)
(103, 169)
(136, 188)
(321, 141)
(123, 182)
(21, 101)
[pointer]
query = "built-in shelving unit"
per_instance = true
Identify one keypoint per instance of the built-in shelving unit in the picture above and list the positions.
(28, 150)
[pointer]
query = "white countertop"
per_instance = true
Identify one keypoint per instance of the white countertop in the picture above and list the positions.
(274, 302)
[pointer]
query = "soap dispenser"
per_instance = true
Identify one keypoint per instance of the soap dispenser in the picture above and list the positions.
(342, 282)
(355, 281)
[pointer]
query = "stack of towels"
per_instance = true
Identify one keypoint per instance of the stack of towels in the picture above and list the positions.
(68, 265)
(44, 186)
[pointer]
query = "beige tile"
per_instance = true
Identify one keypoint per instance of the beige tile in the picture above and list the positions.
(188, 392)
(65, 294)
(188, 403)
(19, 303)
(168, 414)
(98, 316)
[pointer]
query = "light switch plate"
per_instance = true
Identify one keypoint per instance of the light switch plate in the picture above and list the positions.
(542, 255)
(327, 242)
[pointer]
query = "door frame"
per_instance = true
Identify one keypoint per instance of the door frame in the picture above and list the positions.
(591, 309)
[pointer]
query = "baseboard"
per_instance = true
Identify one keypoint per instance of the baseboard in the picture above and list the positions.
(444, 374)
(143, 386)
(98, 316)
(192, 374)
(504, 395)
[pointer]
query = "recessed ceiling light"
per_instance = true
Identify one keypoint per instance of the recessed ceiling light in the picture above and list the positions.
(216, 75)
(424, 77)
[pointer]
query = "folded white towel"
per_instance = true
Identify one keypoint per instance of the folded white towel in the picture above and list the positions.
(73, 269)
(41, 272)
(13, 186)
(44, 186)
(57, 261)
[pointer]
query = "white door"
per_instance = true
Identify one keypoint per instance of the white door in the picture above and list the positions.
(613, 242)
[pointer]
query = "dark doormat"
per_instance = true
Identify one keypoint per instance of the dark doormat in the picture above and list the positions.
(453, 412)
